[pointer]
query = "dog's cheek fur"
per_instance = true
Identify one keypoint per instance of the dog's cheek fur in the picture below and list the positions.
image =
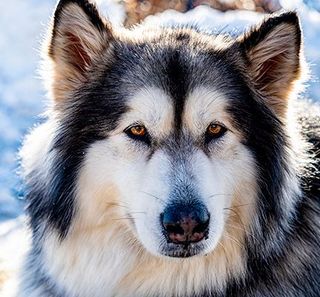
(233, 185)
(98, 239)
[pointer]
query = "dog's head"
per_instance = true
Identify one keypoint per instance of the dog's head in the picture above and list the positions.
(173, 135)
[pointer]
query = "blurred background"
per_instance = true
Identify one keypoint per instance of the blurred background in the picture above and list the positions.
(22, 96)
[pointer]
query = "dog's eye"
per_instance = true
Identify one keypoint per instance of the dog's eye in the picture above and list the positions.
(215, 131)
(138, 132)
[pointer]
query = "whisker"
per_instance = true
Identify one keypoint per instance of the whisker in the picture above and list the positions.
(154, 196)
(242, 229)
(232, 210)
(223, 247)
(213, 195)
(234, 240)
(225, 251)
(117, 204)
(241, 222)
(144, 212)
(237, 206)
(237, 214)
(125, 218)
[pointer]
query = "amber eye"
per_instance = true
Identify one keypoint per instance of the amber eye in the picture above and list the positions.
(215, 131)
(138, 132)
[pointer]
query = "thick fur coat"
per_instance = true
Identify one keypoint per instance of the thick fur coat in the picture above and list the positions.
(148, 124)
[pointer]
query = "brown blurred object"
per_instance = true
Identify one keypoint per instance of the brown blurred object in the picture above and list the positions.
(267, 6)
(137, 10)
(3, 277)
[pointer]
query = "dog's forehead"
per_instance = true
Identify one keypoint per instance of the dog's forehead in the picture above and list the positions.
(180, 85)
(152, 107)
(156, 108)
(177, 61)
(203, 106)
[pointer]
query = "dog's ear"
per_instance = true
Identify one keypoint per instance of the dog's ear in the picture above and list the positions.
(273, 53)
(78, 37)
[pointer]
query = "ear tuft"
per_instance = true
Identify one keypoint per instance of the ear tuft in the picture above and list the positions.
(273, 52)
(78, 38)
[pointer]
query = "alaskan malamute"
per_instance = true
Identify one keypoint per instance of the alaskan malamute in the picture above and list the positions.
(173, 163)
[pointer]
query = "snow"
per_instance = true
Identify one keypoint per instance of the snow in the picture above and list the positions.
(24, 23)
(20, 90)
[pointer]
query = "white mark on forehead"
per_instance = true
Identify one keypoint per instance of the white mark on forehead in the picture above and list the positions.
(203, 106)
(151, 107)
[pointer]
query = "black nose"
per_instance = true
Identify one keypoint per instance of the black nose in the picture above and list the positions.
(184, 224)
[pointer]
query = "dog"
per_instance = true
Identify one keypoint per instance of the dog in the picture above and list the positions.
(172, 163)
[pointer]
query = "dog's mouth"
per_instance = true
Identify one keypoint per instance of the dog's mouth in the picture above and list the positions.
(182, 250)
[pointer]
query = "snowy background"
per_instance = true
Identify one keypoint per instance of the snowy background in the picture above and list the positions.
(22, 98)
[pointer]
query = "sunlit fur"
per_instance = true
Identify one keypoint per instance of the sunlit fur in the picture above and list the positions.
(95, 195)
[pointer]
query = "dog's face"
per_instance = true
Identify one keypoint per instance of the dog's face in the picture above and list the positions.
(164, 132)
(177, 172)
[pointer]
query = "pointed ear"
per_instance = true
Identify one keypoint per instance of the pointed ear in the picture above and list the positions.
(78, 38)
(273, 53)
